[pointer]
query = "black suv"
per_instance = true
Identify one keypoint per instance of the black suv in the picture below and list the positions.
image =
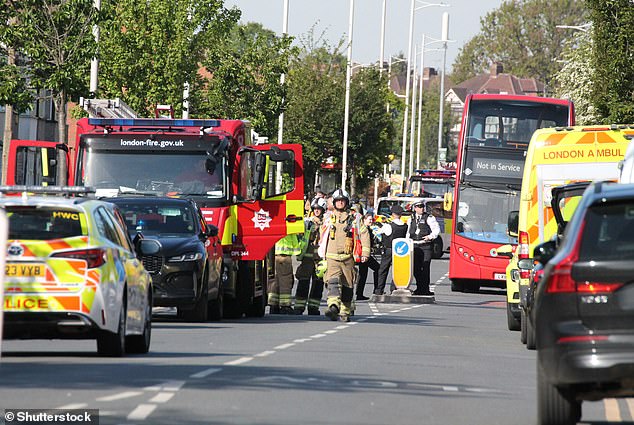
(584, 307)
(187, 271)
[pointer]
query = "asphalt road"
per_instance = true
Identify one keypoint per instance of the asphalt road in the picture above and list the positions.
(452, 362)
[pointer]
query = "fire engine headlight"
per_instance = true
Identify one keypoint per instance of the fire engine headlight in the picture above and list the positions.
(191, 256)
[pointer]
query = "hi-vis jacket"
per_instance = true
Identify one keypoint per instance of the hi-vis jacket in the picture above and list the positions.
(310, 241)
(338, 236)
(288, 245)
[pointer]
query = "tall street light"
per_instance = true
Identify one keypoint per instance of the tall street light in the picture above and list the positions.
(344, 162)
(413, 8)
(445, 40)
(424, 43)
(280, 127)
(382, 49)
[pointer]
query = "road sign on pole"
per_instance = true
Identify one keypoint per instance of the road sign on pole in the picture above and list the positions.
(402, 262)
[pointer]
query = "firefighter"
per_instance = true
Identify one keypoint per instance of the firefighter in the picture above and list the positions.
(337, 246)
(280, 298)
(309, 259)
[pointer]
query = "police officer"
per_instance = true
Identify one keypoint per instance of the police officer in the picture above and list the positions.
(309, 259)
(337, 245)
(423, 229)
(389, 231)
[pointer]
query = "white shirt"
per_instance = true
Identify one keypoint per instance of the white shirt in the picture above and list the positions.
(386, 229)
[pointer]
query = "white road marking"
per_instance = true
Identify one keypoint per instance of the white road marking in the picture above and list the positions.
(299, 341)
(172, 385)
(205, 373)
(120, 396)
(265, 353)
(318, 336)
(284, 346)
(142, 411)
(449, 388)
(239, 361)
(73, 406)
(332, 331)
(612, 413)
(341, 327)
(630, 406)
(162, 397)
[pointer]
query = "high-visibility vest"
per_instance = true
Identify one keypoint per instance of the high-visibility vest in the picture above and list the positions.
(288, 245)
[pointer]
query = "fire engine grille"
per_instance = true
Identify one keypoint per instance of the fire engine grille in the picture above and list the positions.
(152, 263)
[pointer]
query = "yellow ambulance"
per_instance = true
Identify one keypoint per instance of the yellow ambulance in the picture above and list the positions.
(556, 156)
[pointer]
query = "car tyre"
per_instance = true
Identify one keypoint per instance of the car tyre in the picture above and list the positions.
(555, 406)
(512, 322)
(199, 312)
(112, 344)
(140, 344)
(216, 307)
(531, 342)
(523, 329)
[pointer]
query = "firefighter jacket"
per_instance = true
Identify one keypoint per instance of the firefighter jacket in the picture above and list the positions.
(310, 241)
(338, 236)
(288, 245)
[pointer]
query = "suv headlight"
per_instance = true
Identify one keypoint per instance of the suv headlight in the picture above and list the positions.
(190, 256)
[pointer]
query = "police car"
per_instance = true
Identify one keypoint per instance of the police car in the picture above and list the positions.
(72, 272)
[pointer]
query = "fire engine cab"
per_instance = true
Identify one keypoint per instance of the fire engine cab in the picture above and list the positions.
(252, 193)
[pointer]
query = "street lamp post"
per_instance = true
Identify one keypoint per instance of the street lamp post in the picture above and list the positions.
(382, 51)
(413, 8)
(445, 40)
(344, 162)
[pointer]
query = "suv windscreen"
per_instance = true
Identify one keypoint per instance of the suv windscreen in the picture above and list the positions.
(159, 218)
(607, 233)
(44, 223)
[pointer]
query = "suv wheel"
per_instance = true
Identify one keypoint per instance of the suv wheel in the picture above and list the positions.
(512, 322)
(523, 329)
(555, 406)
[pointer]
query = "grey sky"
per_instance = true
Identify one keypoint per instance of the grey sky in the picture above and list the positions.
(331, 17)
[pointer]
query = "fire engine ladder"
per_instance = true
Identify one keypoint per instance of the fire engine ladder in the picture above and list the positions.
(107, 108)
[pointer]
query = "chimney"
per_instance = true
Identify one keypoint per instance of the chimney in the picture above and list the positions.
(496, 69)
(428, 73)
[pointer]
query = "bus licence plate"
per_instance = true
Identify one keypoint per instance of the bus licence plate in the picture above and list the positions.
(499, 276)
(24, 270)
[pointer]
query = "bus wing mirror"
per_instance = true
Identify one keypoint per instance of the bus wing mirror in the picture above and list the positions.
(505, 251)
(448, 201)
(513, 223)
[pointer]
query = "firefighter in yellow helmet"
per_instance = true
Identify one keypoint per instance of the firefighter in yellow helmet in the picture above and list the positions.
(337, 244)
(280, 298)
(307, 270)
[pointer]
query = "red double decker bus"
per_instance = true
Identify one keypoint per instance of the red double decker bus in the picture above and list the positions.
(494, 137)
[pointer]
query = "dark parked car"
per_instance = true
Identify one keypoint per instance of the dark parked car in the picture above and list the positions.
(584, 308)
(186, 272)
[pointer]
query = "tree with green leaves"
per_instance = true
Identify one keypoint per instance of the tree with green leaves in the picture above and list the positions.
(245, 77)
(575, 79)
(150, 49)
(523, 36)
(613, 59)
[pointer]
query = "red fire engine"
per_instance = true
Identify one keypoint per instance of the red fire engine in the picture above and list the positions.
(252, 193)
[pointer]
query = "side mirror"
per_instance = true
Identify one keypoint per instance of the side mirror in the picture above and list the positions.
(525, 264)
(448, 201)
(212, 231)
(278, 155)
(545, 251)
(513, 223)
(149, 246)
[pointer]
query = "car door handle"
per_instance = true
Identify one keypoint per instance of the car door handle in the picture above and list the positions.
(293, 218)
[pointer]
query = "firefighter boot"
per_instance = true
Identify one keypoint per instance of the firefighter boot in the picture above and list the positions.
(346, 309)
(313, 311)
(332, 312)
(334, 299)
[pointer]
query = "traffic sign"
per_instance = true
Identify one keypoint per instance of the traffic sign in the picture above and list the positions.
(402, 262)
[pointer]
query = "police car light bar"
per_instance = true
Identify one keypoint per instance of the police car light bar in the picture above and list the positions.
(54, 190)
(151, 122)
